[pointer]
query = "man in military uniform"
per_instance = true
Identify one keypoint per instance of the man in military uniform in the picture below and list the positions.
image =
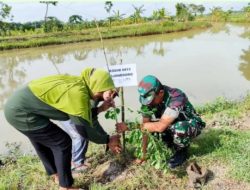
(174, 117)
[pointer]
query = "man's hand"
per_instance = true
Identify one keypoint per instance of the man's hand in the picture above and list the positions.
(106, 105)
(115, 144)
(139, 161)
(121, 127)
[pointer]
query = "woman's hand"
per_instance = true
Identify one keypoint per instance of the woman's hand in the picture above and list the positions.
(106, 105)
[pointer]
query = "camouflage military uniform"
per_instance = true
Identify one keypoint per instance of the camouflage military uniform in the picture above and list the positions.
(188, 123)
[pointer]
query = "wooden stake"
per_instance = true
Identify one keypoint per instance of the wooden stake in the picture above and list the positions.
(123, 117)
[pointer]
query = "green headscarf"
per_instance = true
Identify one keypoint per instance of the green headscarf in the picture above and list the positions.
(99, 81)
(71, 94)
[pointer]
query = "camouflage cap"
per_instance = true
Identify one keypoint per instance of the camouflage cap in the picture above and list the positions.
(147, 89)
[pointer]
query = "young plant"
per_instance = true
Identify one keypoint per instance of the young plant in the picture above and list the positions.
(157, 151)
(113, 114)
(146, 111)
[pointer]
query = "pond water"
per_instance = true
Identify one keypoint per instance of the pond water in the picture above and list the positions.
(205, 64)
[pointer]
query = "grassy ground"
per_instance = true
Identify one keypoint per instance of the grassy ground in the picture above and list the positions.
(36, 40)
(223, 148)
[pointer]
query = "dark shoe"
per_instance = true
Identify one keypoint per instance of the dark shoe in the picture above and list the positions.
(178, 158)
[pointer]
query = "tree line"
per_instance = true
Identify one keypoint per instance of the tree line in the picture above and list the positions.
(184, 12)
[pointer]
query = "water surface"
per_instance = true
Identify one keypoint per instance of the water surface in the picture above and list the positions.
(203, 63)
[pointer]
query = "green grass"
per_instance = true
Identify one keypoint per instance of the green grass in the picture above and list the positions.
(219, 145)
(224, 146)
(26, 172)
(222, 105)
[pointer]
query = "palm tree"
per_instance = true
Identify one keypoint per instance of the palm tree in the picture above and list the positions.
(117, 15)
(138, 12)
(46, 12)
(108, 6)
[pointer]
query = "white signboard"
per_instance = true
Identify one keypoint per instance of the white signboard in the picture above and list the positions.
(123, 75)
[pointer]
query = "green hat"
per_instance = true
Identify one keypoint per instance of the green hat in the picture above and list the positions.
(148, 88)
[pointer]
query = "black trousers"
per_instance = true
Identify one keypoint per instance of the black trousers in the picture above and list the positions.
(53, 147)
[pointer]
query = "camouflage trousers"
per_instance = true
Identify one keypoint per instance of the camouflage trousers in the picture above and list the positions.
(181, 133)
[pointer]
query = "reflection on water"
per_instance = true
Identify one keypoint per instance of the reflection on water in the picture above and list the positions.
(203, 63)
(244, 67)
(159, 49)
(220, 27)
(80, 55)
(11, 76)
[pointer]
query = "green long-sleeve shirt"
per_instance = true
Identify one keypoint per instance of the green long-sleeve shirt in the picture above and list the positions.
(26, 112)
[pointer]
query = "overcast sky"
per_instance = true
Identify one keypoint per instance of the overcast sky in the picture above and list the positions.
(25, 11)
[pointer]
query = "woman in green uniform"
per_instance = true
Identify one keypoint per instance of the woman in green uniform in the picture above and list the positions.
(60, 97)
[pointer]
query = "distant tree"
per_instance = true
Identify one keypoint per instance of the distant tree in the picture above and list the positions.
(117, 15)
(155, 15)
(162, 13)
(108, 6)
(193, 9)
(218, 14)
(4, 14)
(75, 19)
(53, 24)
(46, 12)
(201, 9)
(4, 11)
(246, 10)
(182, 12)
(138, 11)
(159, 14)
(28, 26)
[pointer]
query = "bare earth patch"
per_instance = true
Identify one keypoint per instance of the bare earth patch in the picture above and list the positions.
(112, 172)
(220, 181)
(220, 121)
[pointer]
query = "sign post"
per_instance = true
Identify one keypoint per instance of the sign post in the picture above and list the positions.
(123, 75)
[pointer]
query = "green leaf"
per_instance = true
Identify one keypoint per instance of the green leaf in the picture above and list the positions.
(112, 113)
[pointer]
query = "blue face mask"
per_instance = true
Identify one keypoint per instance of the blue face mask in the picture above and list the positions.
(147, 98)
